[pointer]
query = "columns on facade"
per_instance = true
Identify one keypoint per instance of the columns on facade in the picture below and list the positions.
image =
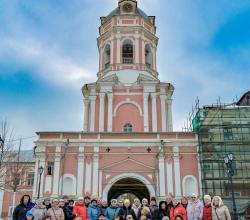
(170, 120)
(118, 54)
(143, 50)
(92, 112)
(137, 47)
(101, 57)
(100, 183)
(170, 177)
(101, 113)
(95, 171)
(55, 190)
(110, 112)
(145, 110)
(112, 50)
(154, 112)
(88, 180)
(163, 113)
(86, 114)
(177, 173)
(80, 171)
(162, 183)
(42, 163)
(36, 178)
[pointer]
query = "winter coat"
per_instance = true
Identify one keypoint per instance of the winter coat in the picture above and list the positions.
(103, 210)
(197, 214)
(39, 212)
(126, 211)
(221, 212)
(93, 212)
(111, 212)
(154, 212)
(68, 212)
(21, 210)
(178, 210)
(56, 213)
(164, 212)
(80, 211)
(207, 212)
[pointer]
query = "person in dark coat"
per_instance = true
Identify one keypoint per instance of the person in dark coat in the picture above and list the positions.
(21, 210)
(184, 202)
(103, 207)
(163, 210)
(126, 210)
(154, 209)
(68, 210)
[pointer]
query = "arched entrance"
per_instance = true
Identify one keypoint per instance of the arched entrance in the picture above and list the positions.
(128, 186)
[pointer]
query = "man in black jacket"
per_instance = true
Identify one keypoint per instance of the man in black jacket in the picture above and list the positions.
(21, 210)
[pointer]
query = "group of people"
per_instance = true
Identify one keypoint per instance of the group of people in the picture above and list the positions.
(86, 208)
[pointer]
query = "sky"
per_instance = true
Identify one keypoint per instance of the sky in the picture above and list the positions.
(48, 50)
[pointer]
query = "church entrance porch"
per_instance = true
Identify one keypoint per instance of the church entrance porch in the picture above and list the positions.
(130, 188)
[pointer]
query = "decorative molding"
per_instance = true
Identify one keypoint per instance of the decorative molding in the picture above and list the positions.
(127, 102)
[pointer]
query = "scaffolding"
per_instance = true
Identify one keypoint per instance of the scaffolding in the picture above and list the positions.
(223, 129)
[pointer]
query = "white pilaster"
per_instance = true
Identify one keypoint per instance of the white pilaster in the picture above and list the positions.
(80, 171)
(112, 50)
(177, 173)
(110, 112)
(92, 113)
(169, 120)
(170, 177)
(100, 183)
(42, 163)
(36, 178)
(154, 112)
(162, 176)
(154, 58)
(137, 47)
(86, 114)
(95, 171)
(88, 177)
(143, 51)
(163, 113)
(101, 113)
(145, 110)
(101, 57)
(57, 161)
(118, 58)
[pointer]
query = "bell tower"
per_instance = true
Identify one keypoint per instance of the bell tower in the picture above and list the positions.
(127, 96)
(127, 40)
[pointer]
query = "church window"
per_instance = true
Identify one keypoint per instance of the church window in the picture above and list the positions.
(127, 52)
(50, 168)
(30, 179)
(148, 56)
(107, 56)
(128, 128)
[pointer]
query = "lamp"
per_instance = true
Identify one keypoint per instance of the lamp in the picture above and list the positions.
(40, 176)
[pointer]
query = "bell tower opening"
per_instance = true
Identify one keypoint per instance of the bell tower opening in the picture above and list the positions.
(148, 56)
(130, 187)
(127, 52)
(107, 56)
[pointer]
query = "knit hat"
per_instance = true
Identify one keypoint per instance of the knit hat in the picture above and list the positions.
(80, 198)
(113, 200)
(207, 197)
(29, 213)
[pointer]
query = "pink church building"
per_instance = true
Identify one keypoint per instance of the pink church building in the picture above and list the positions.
(127, 145)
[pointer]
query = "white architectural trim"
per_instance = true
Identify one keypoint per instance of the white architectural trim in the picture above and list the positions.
(145, 111)
(170, 177)
(101, 113)
(118, 58)
(154, 112)
(184, 184)
(92, 112)
(112, 50)
(95, 171)
(80, 171)
(137, 47)
(86, 114)
(100, 183)
(36, 178)
(127, 102)
(163, 113)
(71, 176)
(162, 176)
(170, 120)
(88, 177)
(42, 163)
(128, 175)
(177, 174)
(110, 112)
(56, 173)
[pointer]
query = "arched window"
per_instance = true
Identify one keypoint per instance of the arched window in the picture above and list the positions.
(148, 56)
(127, 51)
(107, 56)
(128, 128)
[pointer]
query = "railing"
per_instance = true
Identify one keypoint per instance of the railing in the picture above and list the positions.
(127, 60)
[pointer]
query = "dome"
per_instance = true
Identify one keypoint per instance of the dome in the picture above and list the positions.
(137, 12)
